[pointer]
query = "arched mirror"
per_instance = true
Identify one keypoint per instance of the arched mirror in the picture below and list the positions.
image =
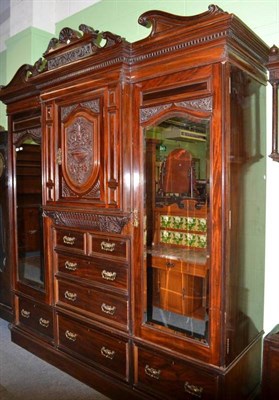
(29, 213)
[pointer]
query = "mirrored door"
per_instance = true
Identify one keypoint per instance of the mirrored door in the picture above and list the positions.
(176, 233)
(29, 213)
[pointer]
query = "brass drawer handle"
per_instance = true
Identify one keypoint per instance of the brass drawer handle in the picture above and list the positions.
(108, 275)
(152, 372)
(25, 314)
(71, 266)
(44, 322)
(71, 336)
(193, 390)
(108, 309)
(170, 264)
(70, 296)
(107, 353)
(70, 240)
(108, 246)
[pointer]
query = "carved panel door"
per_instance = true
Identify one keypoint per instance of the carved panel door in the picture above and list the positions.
(82, 139)
(79, 152)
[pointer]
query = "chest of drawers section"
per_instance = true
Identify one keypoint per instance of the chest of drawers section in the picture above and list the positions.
(92, 275)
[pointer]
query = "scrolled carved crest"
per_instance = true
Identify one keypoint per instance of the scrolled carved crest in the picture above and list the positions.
(66, 36)
(161, 21)
(74, 45)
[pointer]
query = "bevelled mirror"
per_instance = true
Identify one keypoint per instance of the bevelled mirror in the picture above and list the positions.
(176, 232)
(29, 213)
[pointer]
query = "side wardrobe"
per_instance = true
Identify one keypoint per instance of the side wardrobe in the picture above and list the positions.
(134, 222)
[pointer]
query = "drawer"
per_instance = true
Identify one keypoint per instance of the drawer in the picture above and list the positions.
(173, 379)
(112, 247)
(106, 272)
(104, 351)
(169, 264)
(36, 317)
(68, 239)
(110, 307)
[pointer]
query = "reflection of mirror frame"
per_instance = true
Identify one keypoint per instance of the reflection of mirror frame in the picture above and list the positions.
(273, 67)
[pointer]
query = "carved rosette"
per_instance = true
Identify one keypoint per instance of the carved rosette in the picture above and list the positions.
(102, 223)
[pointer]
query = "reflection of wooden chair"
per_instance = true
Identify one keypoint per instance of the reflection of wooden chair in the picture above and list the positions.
(178, 180)
(177, 173)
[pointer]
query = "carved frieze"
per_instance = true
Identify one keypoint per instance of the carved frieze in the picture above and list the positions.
(71, 56)
(149, 112)
(33, 133)
(102, 223)
(202, 104)
(92, 105)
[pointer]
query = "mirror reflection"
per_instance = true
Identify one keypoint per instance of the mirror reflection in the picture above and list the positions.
(176, 237)
(29, 213)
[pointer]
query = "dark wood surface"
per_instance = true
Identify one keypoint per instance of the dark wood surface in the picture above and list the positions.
(89, 107)
(5, 267)
(270, 388)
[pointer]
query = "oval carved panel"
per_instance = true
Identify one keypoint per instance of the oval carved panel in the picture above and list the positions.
(80, 147)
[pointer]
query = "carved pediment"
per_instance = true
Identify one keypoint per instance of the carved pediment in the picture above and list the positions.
(73, 45)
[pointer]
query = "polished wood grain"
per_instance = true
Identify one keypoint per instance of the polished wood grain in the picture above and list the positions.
(90, 106)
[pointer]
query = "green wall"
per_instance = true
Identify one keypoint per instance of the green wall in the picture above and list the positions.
(120, 16)
(25, 47)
